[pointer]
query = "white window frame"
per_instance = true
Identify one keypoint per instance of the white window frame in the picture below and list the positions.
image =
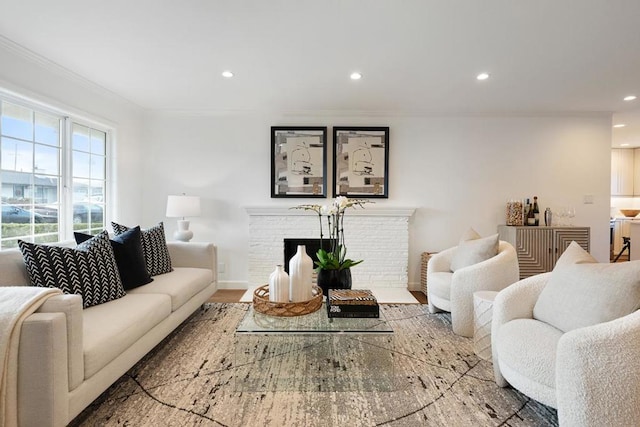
(65, 214)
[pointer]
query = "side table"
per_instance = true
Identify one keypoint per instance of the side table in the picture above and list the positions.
(424, 260)
(482, 315)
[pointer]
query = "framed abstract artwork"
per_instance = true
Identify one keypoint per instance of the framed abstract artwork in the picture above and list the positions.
(298, 161)
(361, 162)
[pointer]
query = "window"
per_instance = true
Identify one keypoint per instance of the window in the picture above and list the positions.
(88, 148)
(52, 175)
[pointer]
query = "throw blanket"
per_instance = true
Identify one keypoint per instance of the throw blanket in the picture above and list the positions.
(16, 304)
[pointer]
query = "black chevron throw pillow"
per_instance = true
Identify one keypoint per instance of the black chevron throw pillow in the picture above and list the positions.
(154, 247)
(88, 270)
(127, 249)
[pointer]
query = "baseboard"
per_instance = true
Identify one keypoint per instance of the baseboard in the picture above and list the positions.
(383, 295)
(240, 284)
(414, 286)
(232, 284)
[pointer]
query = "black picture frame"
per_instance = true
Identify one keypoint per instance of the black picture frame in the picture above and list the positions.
(299, 161)
(361, 161)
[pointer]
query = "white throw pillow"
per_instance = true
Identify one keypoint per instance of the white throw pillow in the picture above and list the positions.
(582, 292)
(470, 234)
(473, 251)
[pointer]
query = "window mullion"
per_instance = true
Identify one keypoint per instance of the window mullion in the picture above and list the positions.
(66, 212)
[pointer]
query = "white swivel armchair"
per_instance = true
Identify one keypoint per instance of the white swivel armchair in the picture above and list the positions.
(591, 371)
(452, 291)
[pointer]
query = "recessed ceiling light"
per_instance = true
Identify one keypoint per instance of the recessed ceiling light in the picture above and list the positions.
(624, 145)
(619, 125)
(356, 76)
(630, 98)
(227, 74)
(482, 76)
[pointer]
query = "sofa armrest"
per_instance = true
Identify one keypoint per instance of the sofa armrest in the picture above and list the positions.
(598, 374)
(514, 302)
(493, 274)
(71, 307)
(42, 371)
(199, 255)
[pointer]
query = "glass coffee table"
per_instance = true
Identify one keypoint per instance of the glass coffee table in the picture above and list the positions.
(313, 353)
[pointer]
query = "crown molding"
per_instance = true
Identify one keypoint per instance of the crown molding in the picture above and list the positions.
(56, 68)
(371, 114)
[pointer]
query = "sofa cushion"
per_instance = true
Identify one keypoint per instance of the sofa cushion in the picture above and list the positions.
(470, 252)
(154, 247)
(109, 329)
(528, 347)
(127, 248)
(89, 270)
(583, 293)
(181, 284)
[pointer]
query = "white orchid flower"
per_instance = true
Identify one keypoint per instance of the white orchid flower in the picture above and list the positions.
(333, 213)
(327, 210)
(342, 202)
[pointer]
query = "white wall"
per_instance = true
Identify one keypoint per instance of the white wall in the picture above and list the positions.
(456, 171)
(27, 75)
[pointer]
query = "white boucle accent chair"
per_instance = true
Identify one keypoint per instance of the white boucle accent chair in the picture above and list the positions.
(452, 291)
(591, 374)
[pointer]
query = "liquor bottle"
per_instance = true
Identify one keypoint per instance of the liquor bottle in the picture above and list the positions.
(525, 211)
(531, 218)
(547, 217)
(536, 211)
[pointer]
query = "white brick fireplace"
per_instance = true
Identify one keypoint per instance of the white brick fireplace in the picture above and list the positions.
(379, 236)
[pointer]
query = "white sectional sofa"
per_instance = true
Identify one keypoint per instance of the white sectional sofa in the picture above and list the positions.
(69, 355)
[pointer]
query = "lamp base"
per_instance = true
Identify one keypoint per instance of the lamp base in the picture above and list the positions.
(183, 234)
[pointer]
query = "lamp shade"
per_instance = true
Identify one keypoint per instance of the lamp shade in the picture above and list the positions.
(182, 206)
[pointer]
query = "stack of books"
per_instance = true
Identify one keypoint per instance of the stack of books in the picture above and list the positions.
(352, 303)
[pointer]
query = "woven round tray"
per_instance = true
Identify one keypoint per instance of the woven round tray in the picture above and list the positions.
(262, 304)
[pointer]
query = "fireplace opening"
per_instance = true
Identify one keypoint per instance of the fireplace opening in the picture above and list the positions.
(311, 246)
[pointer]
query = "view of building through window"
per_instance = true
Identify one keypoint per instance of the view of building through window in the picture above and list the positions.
(89, 180)
(35, 170)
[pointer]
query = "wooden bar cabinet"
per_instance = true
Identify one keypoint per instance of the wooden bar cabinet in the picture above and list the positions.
(539, 248)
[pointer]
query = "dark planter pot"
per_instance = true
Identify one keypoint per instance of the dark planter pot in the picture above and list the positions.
(334, 279)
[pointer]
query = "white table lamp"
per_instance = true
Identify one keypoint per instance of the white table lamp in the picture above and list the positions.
(181, 207)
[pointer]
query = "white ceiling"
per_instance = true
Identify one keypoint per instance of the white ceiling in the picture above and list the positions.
(416, 56)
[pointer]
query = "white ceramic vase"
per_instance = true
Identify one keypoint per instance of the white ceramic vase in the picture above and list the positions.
(279, 285)
(300, 272)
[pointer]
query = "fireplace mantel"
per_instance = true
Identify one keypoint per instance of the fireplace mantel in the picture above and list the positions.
(367, 211)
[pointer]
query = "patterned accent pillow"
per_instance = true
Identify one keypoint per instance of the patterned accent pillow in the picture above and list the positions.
(88, 270)
(154, 247)
(127, 249)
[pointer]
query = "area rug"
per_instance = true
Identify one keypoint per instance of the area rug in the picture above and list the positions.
(188, 380)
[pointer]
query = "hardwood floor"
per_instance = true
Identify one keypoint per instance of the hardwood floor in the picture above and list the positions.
(234, 295)
(422, 298)
(227, 295)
